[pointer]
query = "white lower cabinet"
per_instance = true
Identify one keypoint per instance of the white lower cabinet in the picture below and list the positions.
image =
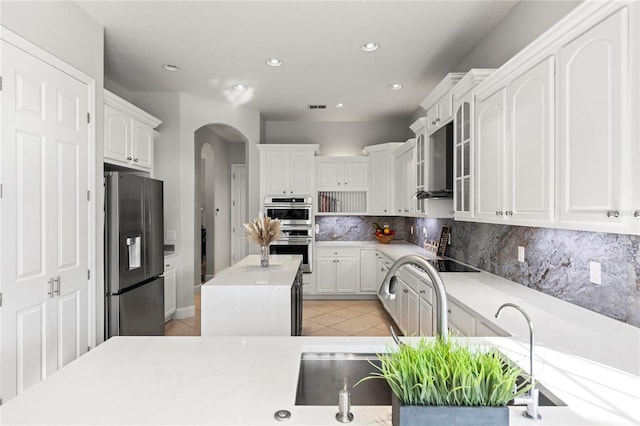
(338, 270)
(427, 323)
(461, 321)
(382, 268)
(170, 283)
(368, 271)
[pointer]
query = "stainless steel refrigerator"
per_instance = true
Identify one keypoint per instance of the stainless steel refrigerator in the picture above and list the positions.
(134, 256)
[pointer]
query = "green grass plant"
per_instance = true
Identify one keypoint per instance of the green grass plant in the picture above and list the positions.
(435, 372)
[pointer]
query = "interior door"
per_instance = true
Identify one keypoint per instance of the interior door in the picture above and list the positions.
(44, 219)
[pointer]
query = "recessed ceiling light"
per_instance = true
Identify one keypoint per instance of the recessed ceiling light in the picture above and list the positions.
(341, 105)
(370, 46)
(239, 87)
(395, 86)
(274, 62)
(170, 67)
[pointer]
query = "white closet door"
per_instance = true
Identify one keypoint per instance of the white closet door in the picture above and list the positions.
(44, 220)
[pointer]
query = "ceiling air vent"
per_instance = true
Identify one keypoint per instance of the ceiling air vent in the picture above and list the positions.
(317, 106)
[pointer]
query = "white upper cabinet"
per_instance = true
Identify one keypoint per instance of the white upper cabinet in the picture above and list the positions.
(514, 148)
(381, 177)
(556, 127)
(439, 103)
(128, 134)
(530, 145)
(463, 149)
(342, 173)
(594, 123)
(405, 179)
(286, 170)
(491, 131)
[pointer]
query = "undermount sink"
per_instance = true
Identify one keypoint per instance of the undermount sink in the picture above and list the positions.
(322, 375)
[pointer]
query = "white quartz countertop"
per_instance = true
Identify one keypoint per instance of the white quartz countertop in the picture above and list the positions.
(244, 381)
(281, 271)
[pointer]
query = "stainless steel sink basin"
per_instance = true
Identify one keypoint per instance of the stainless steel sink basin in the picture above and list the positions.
(322, 375)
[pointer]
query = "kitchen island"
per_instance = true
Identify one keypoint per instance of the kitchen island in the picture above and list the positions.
(249, 300)
(245, 380)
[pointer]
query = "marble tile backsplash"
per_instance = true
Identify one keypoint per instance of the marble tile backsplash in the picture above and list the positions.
(556, 261)
(356, 228)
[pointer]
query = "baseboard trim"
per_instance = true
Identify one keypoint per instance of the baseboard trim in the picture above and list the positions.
(187, 312)
(315, 296)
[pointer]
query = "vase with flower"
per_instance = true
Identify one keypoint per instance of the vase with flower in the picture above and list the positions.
(263, 230)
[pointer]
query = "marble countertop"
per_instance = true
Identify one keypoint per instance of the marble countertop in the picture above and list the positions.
(281, 271)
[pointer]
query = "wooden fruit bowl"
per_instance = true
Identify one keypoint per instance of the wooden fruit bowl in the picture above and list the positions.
(384, 239)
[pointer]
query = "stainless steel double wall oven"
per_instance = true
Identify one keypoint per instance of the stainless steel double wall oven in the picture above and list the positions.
(296, 218)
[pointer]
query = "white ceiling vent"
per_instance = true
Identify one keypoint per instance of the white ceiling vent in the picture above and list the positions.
(316, 106)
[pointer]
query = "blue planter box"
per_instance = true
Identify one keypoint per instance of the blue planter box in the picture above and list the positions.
(421, 415)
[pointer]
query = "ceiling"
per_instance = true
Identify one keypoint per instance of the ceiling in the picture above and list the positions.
(218, 44)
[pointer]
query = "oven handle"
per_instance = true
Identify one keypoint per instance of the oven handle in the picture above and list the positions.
(288, 241)
(288, 206)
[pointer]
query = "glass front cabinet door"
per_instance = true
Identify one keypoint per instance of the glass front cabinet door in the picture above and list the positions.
(462, 196)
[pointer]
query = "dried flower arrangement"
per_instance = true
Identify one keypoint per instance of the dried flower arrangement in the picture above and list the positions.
(263, 230)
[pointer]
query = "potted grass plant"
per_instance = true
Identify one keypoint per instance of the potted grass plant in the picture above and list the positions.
(438, 382)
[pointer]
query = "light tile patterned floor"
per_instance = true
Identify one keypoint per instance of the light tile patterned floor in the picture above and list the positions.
(185, 326)
(345, 318)
(320, 318)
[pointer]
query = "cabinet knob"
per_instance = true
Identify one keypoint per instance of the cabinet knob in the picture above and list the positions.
(166, 266)
(433, 123)
(422, 292)
(509, 213)
(636, 214)
(385, 210)
(499, 213)
(404, 290)
(129, 158)
(345, 183)
(448, 311)
(613, 213)
(338, 183)
(284, 192)
(135, 160)
(381, 269)
(437, 120)
(451, 211)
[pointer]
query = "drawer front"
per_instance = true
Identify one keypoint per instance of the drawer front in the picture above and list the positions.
(462, 320)
(410, 279)
(337, 251)
(425, 291)
(170, 263)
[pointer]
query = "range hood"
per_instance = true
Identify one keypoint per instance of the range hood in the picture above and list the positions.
(434, 195)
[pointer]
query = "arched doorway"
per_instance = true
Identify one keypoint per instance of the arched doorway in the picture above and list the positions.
(218, 148)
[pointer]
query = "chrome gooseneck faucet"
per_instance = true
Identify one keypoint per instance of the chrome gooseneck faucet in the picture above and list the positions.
(531, 398)
(389, 284)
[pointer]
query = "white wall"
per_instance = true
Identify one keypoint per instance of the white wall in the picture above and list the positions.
(66, 31)
(524, 23)
(336, 137)
(166, 151)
